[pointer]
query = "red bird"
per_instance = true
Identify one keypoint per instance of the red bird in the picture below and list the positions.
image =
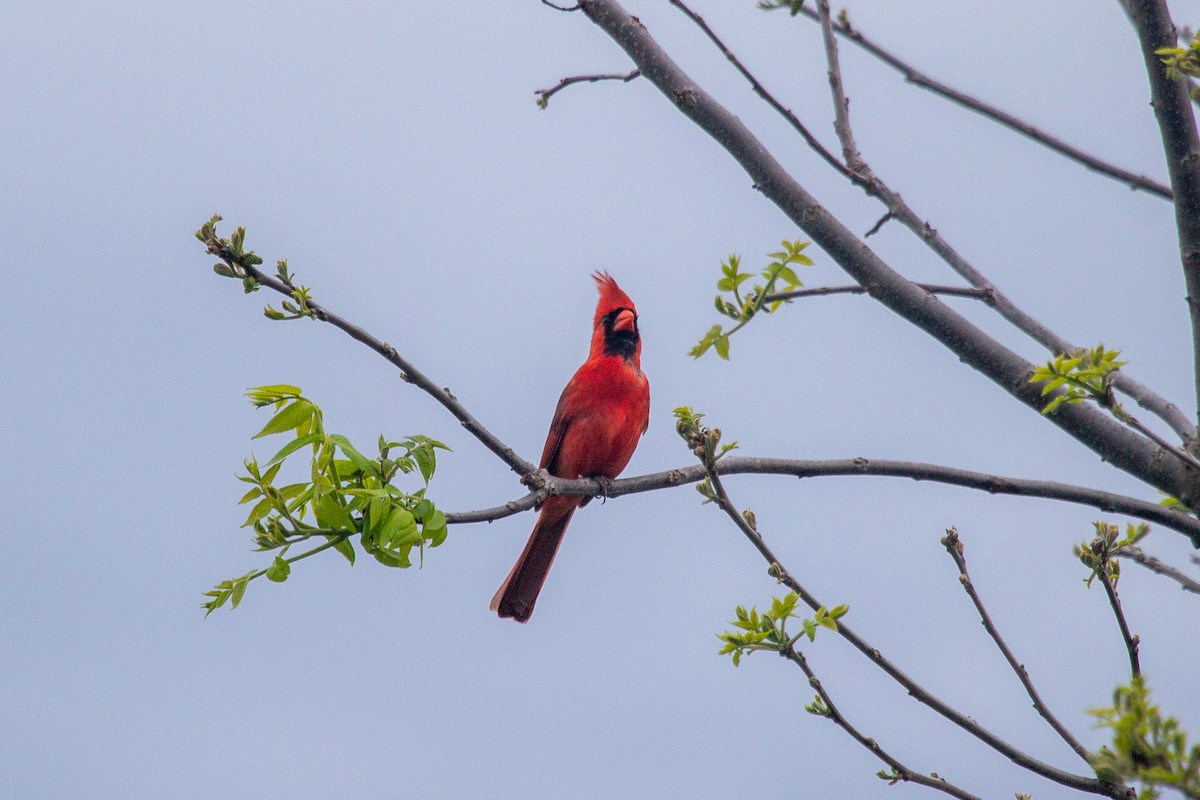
(601, 415)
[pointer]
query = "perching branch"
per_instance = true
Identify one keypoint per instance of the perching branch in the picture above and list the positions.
(221, 248)
(1181, 145)
(543, 484)
(954, 547)
(544, 95)
(697, 441)
(899, 210)
(899, 770)
(1121, 447)
(914, 76)
(1139, 556)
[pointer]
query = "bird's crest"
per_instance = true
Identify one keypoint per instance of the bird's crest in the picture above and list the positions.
(611, 296)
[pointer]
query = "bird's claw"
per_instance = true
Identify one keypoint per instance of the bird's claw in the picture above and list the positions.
(605, 487)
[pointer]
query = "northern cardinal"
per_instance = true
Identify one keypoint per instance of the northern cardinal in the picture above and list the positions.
(601, 415)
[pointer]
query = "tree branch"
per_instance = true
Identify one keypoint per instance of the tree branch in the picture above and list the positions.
(899, 210)
(408, 371)
(544, 95)
(1181, 145)
(901, 772)
(954, 547)
(1123, 448)
(914, 76)
(841, 106)
(913, 688)
(1131, 641)
(543, 484)
(1140, 556)
(762, 92)
(821, 291)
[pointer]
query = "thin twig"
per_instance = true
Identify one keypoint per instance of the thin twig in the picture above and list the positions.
(1131, 641)
(821, 291)
(918, 78)
(408, 371)
(897, 209)
(914, 689)
(901, 772)
(560, 8)
(762, 92)
(954, 547)
(841, 106)
(1140, 556)
(544, 95)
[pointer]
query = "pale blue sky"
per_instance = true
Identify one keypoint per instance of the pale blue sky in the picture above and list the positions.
(393, 152)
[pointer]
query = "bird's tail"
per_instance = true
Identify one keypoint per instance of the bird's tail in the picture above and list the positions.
(520, 589)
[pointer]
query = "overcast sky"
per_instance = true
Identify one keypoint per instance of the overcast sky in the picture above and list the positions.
(394, 153)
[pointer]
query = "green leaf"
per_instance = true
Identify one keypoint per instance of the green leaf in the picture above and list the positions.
(721, 345)
(435, 528)
(398, 525)
(279, 571)
(239, 589)
(345, 547)
(289, 418)
(360, 461)
(331, 515)
(293, 446)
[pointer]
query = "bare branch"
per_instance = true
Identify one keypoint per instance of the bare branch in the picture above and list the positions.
(833, 715)
(761, 91)
(1121, 447)
(914, 689)
(899, 210)
(408, 371)
(1131, 641)
(742, 465)
(918, 78)
(1181, 144)
(821, 291)
(841, 106)
(560, 8)
(954, 547)
(1140, 556)
(544, 95)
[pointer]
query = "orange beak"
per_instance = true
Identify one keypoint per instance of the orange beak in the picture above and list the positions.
(625, 321)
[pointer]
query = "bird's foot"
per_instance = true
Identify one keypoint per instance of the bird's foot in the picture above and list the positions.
(605, 487)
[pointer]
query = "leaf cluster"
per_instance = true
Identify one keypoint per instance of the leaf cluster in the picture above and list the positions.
(793, 6)
(344, 494)
(777, 276)
(1097, 555)
(1182, 62)
(238, 263)
(768, 630)
(705, 444)
(1146, 746)
(1082, 375)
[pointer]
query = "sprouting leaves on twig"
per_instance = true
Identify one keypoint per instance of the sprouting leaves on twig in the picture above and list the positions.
(768, 630)
(1146, 745)
(1097, 555)
(793, 6)
(777, 276)
(344, 494)
(1182, 62)
(1083, 375)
